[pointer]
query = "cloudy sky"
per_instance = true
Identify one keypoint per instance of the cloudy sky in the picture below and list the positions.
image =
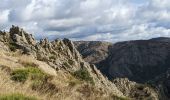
(106, 20)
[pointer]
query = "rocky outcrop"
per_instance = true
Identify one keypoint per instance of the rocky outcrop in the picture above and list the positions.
(135, 90)
(162, 83)
(136, 60)
(61, 55)
(18, 35)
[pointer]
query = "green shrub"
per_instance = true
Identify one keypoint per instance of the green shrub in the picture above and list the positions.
(39, 79)
(12, 47)
(36, 73)
(83, 74)
(16, 97)
(20, 75)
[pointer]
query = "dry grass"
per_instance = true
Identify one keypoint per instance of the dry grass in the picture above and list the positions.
(16, 96)
(9, 87)
(68, 87)
(27, 60)
(30, 61)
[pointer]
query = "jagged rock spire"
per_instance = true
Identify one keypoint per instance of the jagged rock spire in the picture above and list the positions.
(20, 36)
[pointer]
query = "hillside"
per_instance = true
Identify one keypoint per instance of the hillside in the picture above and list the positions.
(142, 61)
(93, 51)
(49, 70)
(55, 69)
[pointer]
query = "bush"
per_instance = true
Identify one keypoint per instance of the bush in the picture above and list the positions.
(12, 47)
(83, 74)
(39, 79)
(16, 97)
(36, 74)
(20, 75)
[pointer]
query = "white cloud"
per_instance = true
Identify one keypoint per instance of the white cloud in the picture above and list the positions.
(4, 16)
(111, 20)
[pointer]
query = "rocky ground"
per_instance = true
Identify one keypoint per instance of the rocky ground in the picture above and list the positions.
(61, 72)
(55, 69)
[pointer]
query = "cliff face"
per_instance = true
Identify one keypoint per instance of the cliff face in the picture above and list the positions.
(93, 51)
(140, 61)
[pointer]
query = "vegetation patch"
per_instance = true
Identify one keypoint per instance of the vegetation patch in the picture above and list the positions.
(12, 47)
(84, 75)
(20, 75)
(16, 97)
(39, 79)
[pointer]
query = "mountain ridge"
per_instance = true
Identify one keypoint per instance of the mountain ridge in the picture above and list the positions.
(65, 68)
(138, 60)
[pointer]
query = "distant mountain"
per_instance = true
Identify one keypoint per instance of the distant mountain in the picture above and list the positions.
(140, 61)
(162, 39)
(93, 51)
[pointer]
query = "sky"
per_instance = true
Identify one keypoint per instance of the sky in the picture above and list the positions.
(88, 20)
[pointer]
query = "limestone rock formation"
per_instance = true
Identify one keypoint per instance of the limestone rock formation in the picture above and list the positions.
(61, 55)
(135, 90)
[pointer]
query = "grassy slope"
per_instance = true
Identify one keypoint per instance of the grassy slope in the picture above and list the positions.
(67, 86)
